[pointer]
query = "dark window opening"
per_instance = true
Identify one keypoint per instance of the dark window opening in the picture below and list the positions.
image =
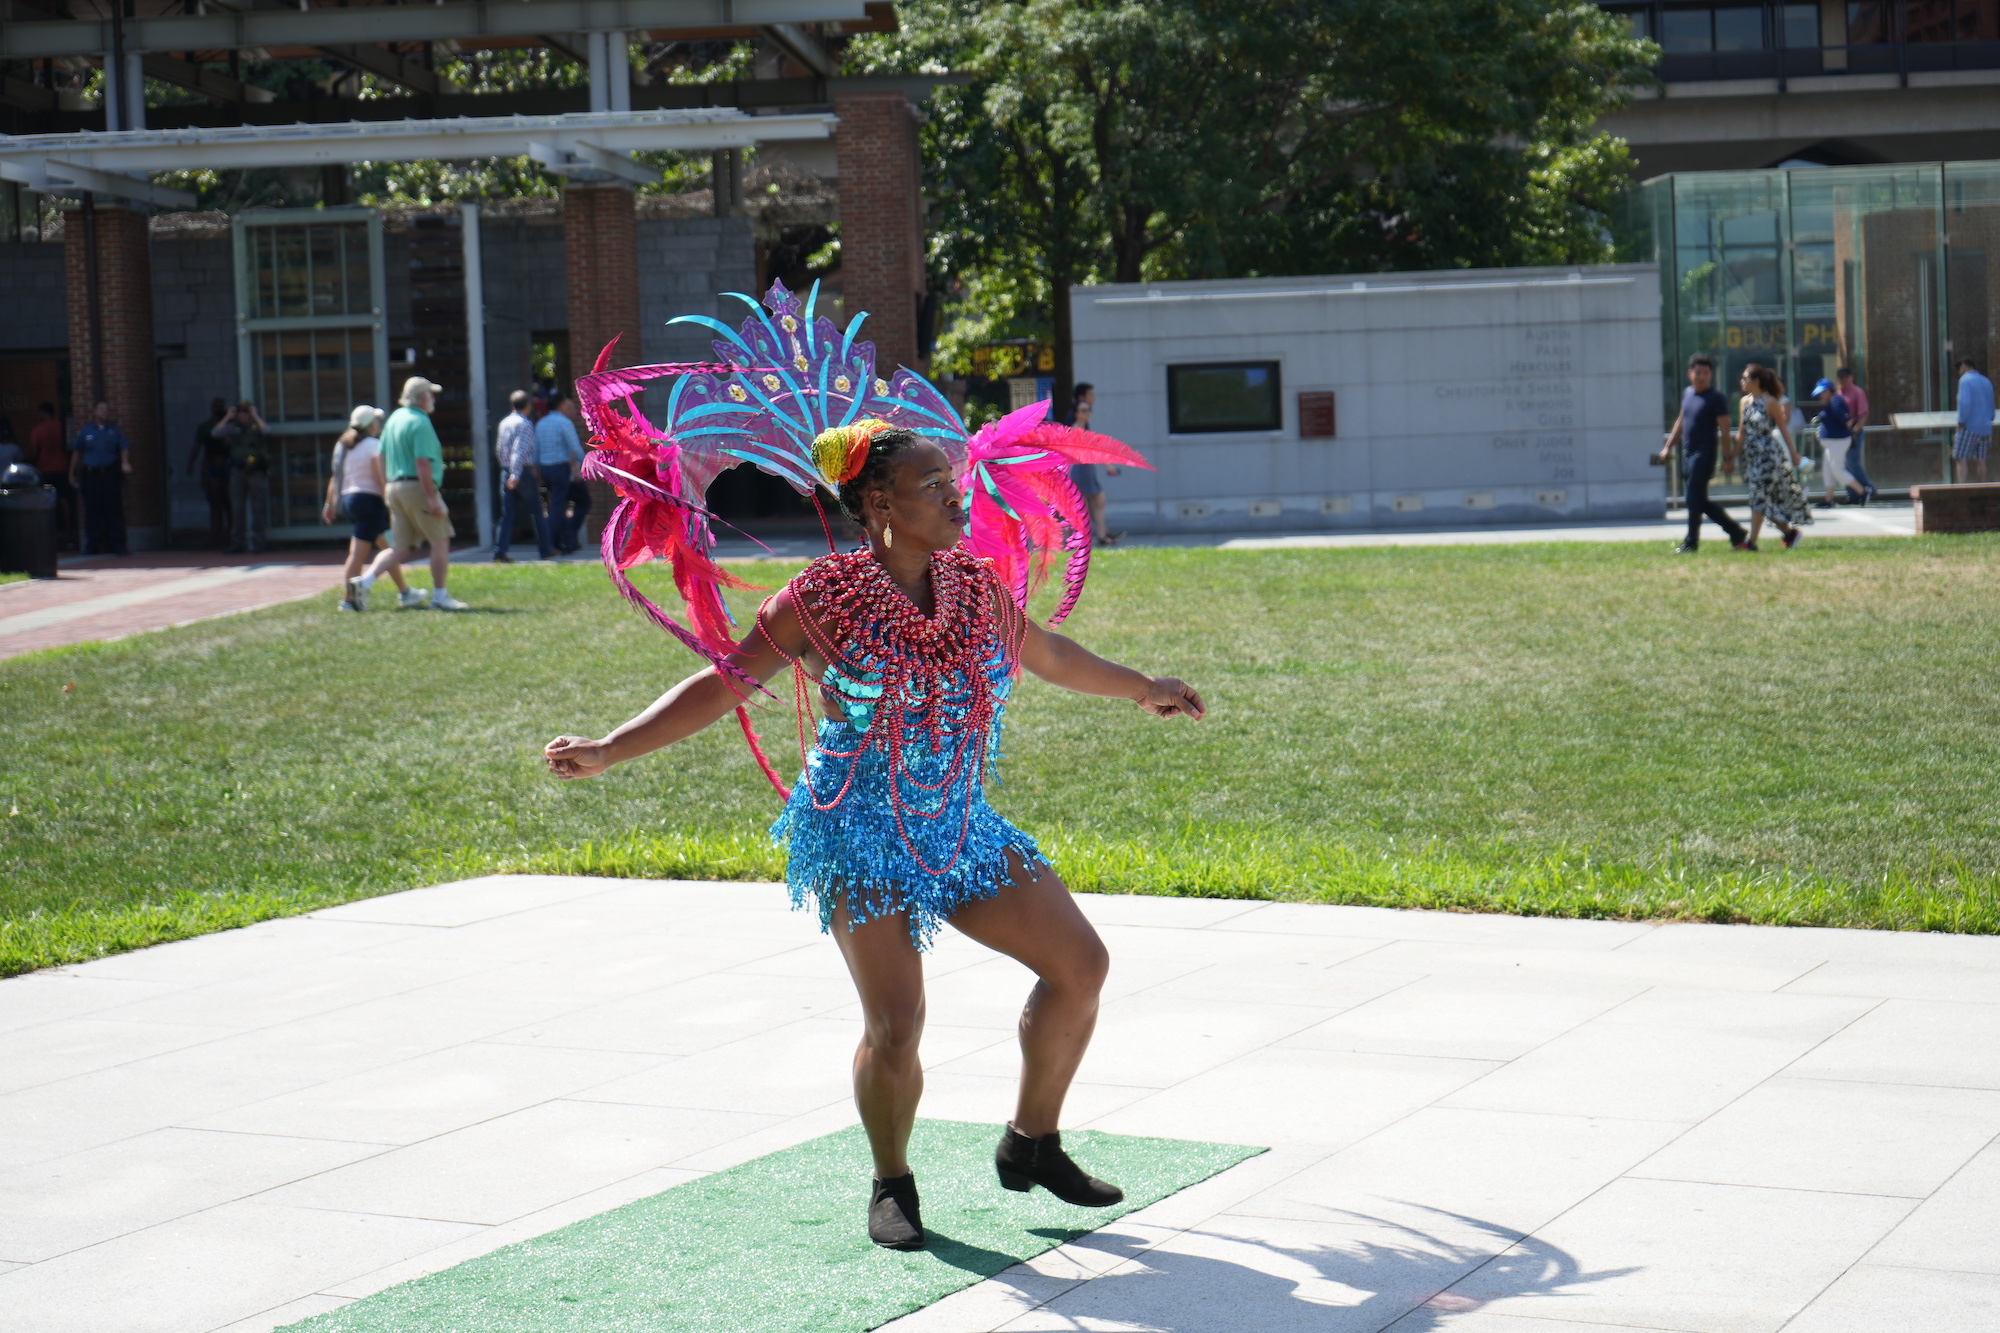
(1224, 396)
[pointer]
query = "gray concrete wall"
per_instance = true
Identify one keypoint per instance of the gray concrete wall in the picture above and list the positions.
(1501, 395)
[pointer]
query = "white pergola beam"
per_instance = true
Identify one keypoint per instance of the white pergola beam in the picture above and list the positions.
(460, 21)
(579, 136)
(49, 175)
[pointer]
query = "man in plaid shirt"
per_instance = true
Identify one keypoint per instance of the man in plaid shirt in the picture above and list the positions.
(516, 450)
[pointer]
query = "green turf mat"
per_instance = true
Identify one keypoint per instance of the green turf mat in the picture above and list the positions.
(779, 1243)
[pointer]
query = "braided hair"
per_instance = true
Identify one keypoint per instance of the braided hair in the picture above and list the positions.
(880, 447)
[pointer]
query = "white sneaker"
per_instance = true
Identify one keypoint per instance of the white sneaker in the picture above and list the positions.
(444, 601)
(413, 599)
(357, 595)
(347, 604)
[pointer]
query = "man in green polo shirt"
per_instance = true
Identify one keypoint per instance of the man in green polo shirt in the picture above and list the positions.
(413, 462)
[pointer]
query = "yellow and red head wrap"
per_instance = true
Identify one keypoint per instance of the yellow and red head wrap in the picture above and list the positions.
(840, 452)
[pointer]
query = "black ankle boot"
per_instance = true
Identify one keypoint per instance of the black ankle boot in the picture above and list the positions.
(894, 1222)
(1024, 1163)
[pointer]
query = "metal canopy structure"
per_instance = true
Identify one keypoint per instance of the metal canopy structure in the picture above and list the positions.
(459, 21)
(591, 145)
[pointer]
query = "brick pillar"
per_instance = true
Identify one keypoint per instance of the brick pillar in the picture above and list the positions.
(125, 337)
(881, 222)
(601, 264)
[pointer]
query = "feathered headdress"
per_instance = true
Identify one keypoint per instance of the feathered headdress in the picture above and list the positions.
(799, 399)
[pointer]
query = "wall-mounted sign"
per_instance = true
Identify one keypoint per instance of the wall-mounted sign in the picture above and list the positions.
(1316, 417)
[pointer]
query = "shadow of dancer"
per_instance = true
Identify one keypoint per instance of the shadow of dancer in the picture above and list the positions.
(1240, 1274)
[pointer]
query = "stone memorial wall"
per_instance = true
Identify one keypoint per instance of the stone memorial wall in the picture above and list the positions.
(1468, 396)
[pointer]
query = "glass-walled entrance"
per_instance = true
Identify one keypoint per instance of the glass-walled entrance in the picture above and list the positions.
(1884, 269)
(312, 342)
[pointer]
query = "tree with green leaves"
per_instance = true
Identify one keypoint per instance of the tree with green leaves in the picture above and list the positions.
(1127, 140)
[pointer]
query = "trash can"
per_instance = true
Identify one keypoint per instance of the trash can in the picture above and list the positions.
(27, 523)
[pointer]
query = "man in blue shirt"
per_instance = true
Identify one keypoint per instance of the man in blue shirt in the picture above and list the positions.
(1975, 420)
(1700, 428)
(557, 450)
(98, 466)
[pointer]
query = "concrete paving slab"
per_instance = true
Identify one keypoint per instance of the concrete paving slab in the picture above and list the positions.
(1809, 1134)
(512, 1165)
(1478, 1123)
(1667, 1055)
(1902, 1300)
(1472, 1018)
(1914, 1041)
(1954, 1227)
(1444, 1171)
(1712, 1258)
(54, 1207)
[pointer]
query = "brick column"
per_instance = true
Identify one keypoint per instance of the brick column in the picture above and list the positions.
(881, 221)
(124, 340)
(601, 265)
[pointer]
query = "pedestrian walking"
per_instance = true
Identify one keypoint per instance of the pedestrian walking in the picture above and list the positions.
(354, 490)
(249, 441)
(1857, 421)
(208, 460)
(1700, 430)
(1836, 433)
(1770, 460)
(557, 451)
(1975, 420)
(99, 462)
(50, 457)
(514, 447)
(413, 468)
(1084, 476)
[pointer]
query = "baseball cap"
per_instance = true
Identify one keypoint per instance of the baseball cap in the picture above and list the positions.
(1824, 386)
(364, 416)
(417, 384)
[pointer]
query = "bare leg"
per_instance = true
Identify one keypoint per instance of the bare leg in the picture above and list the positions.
(395, 572)
(1756, 523)
(391, 559)
(1035, 922)
(888, 975)
(357, 557)
(1980, 464)
(440, 564)
(1099, 530)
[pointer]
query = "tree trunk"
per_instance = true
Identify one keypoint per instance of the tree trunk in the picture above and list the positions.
(1059, 281)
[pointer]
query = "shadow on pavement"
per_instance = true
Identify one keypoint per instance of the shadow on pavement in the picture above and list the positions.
(1225, 1277)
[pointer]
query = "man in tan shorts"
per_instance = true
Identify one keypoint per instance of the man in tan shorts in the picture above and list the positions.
(413, 463)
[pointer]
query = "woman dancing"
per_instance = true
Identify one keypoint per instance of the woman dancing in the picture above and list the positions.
(1770, 459)
(908, 649)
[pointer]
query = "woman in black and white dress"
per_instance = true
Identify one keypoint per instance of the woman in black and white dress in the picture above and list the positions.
(1770, 460)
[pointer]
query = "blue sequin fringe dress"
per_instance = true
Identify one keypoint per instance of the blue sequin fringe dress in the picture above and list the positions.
(854, 852)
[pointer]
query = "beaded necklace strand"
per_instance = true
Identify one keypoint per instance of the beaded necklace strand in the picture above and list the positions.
(863, 624)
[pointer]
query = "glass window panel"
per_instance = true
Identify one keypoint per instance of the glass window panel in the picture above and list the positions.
(1801, 25)
(329, 283)
(360, 296)
(295, 376)
(1686, 30)
(1223, 396)
(1976, 20)
(1641, 21)
(1972, 231)
(1927, 20)
(1867, 23)
(1739, 29)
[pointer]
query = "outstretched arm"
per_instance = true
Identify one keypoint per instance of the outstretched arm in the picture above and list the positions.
(1063, 661)
(691, 705)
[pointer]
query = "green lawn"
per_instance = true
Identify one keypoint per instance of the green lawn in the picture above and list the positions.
(13, 578)
(1803, 737)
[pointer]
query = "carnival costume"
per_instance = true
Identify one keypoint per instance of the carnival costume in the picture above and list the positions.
(889, 813)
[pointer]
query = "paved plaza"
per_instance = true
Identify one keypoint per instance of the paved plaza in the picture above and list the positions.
(1477, 1124)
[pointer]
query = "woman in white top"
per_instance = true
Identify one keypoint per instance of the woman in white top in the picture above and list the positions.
(355, 490)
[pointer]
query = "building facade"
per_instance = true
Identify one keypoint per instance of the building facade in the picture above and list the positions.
(1378, 400)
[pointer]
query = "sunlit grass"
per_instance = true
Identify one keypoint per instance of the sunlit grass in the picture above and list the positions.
(1809, 737)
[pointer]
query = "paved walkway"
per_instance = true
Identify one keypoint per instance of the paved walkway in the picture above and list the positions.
(110, 597)
(1478, 1124)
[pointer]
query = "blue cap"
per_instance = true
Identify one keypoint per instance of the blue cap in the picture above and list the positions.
(1824, 386)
